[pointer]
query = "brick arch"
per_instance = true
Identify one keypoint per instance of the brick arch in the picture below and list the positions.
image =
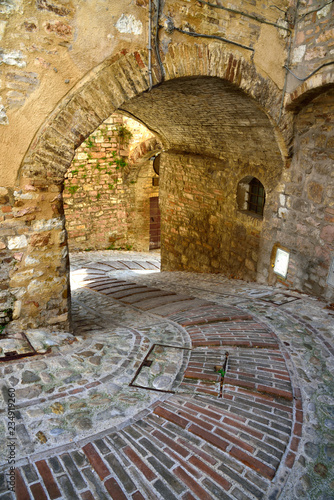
(125, 76)
(309, 90)
(117, 80)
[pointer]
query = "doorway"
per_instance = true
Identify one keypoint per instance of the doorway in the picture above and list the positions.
(154, 223)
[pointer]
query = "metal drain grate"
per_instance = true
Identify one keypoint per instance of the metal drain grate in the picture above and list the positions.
(279, 298)
(159, 368)
(15, 346)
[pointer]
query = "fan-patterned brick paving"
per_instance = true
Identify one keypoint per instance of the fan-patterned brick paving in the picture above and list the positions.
(219, 436)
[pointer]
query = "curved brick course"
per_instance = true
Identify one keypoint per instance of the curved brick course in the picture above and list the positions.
(213, 437)
(199, 442)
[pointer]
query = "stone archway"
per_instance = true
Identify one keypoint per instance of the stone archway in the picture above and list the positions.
(40, 283)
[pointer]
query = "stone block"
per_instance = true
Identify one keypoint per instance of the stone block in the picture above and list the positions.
(17, 242)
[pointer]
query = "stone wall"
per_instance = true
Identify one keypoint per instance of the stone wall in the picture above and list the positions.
(312, 45)
(48, 47)
(106, 195)
(203, 228)
(305, 200)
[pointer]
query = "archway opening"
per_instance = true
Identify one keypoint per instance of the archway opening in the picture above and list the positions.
(109, 186)
(212, 134)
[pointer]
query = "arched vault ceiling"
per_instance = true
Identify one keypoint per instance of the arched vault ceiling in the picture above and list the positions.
(207, 116)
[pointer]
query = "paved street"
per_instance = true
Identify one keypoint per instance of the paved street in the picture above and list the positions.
(173, 386)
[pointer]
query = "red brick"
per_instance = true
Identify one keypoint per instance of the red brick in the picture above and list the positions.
(209, 437)
(242, 383)
(138, 496)
(188, 496)
(184, 464)
(226, 413)
(139, 60)
(290, 459)
(86, 495)
(20, 487)
(206, 391)
(38, 492)
(277, 392)
(172, 444)
(57, 396)
(249, 430)
(96, 461)
(215, 476)
(201, 376)
(252, 462)
(114, 489)
(49, 482)
(137, 461)
(294, 444)
(234, 440)
(171, 417)
(192, 484)
(282, 377)
(198, 421)
(92, 384)
(203, 343)
(204, 411)
(299, 405)
(297, 430)
(76, 391)
(299, 416)
(198, 451)
(227, 396)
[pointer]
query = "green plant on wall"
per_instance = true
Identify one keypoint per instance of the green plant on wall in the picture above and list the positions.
(89, 143)
(124, 134)
(73, 189)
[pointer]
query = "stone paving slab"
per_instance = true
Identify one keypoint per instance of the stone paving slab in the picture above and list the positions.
(262, 430)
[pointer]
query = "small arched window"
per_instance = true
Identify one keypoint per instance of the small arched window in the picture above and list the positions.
(256, 197)
(251, 196)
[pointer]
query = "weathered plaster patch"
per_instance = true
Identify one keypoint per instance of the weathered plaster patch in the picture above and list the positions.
(12, 58)
(129, 24)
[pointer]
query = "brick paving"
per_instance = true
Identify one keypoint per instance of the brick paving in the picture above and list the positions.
(188, 431)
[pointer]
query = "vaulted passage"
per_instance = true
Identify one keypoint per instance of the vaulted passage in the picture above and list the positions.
(213, 136)
(138, 377)
(211, 117)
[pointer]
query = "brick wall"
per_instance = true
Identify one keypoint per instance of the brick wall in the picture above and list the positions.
(106, 198)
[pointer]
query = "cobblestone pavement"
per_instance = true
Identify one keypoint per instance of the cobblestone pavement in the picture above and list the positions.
(174, 386)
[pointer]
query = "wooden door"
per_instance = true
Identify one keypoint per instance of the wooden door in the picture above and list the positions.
(154, 223)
